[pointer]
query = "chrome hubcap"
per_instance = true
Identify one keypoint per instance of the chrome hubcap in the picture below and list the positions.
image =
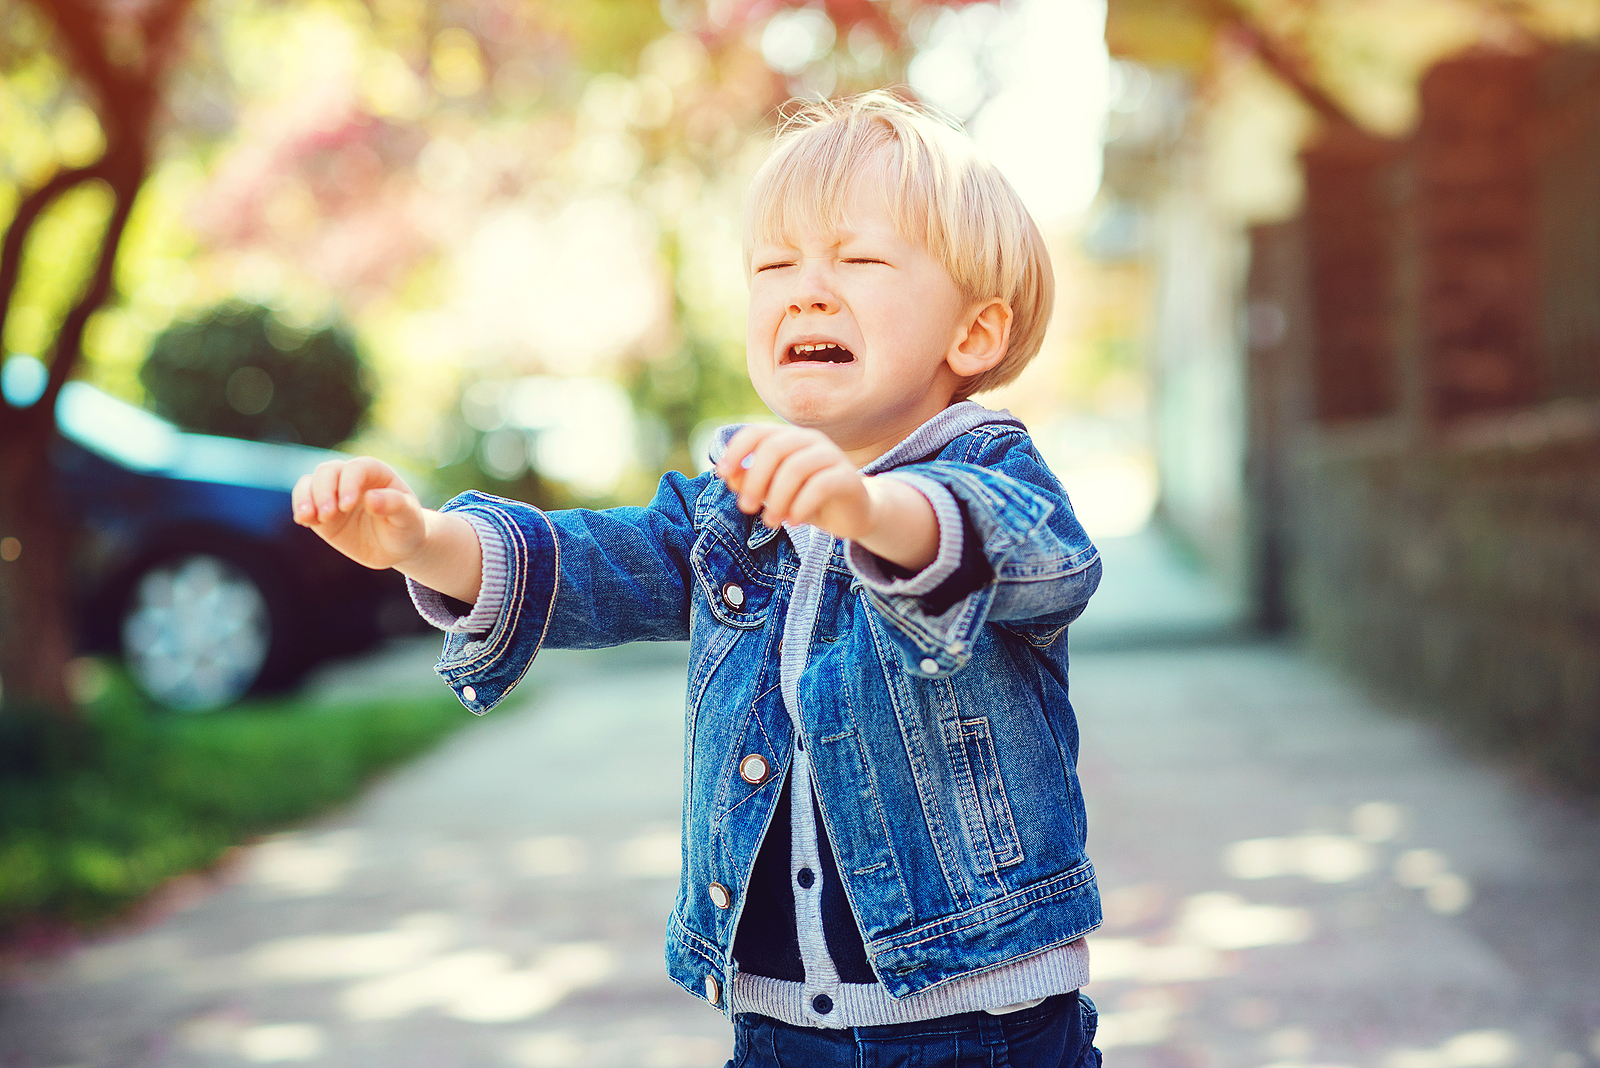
(197, 633)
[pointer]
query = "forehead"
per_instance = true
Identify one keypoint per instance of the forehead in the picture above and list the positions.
(803, 196)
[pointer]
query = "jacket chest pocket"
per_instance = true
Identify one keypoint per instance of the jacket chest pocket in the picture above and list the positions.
(985, 809)
(736, 591)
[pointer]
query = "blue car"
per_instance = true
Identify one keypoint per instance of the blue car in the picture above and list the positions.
(184, 558)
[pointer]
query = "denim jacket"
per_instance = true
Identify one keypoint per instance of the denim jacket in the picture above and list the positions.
(942, 743)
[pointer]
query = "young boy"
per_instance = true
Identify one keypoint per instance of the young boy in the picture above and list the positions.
(883, 835)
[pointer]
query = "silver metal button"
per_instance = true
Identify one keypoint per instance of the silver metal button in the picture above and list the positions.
(754, 769)
(720, 896)
(713, 989)
(733, 594)
(469, 693)
(930, 666)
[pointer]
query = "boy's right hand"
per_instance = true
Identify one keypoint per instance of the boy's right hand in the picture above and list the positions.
(363, 509)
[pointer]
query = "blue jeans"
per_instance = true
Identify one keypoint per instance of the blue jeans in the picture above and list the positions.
(1058, 1033)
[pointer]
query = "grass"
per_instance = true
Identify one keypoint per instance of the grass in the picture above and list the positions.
(92, 821)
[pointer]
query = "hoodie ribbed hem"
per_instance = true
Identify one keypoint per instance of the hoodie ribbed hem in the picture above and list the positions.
(492, 590)
(868, 566)
(1056, 971)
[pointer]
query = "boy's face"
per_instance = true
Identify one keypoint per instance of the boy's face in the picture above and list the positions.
(849, 332)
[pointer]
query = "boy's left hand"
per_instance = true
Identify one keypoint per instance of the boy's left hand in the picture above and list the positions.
(793, 475)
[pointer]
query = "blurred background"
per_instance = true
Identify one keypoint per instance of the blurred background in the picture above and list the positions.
(1323, 382)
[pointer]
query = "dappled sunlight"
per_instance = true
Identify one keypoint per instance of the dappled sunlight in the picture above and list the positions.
(416, 966)
(1165, 956)
(1227, 921)
(313, 957)
(1323, 858)
(1428, 870)
(655, 854)
(481, 986)
(1117, 959)
(1470, 1049)
(1194, 948)
(268, 1043)
(1336, 858)
(228, 1034)
(302, 865)
(548, 855)
(1142, 1018)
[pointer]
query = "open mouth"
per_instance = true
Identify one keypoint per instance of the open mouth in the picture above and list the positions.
(819, 352)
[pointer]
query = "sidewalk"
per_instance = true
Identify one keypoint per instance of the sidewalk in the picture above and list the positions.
(1294, 876)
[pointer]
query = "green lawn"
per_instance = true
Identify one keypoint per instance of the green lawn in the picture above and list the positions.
(91, 824)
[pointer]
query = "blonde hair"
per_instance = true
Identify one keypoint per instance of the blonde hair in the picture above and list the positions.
(945, 195)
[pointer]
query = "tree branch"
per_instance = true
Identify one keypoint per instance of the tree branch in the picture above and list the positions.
(127, 104)
(1279, 59)
(28, 212)
(69, 339)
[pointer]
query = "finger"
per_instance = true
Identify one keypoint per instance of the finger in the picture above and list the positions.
(773, 449)
(359, 475)
(731, 466)
(387, 502)
(305, 513)
(814, 497)
(793, 473)
(325, 488)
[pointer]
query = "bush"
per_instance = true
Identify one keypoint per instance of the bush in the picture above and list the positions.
(241, 372)
(151, 795)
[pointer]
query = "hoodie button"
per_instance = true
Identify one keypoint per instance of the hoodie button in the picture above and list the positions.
(754, 769)
(720, 896)
(823, 1004)
(930, 666)
(713, 989)
(469, 693)
(733, 595)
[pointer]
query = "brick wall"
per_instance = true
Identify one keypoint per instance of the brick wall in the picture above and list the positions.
(1430, 435)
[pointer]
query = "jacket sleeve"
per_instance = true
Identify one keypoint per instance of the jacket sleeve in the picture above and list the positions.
(1011, 553)
(577, 578)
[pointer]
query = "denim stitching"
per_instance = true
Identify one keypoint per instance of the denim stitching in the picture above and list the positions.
(937, 832)
(1003, 819)
(987, 913)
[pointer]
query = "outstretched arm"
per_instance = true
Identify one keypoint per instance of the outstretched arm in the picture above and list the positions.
(363, 509)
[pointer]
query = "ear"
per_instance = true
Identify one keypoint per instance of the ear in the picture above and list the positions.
(983, 342)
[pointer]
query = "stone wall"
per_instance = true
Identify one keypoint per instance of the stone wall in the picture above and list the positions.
(1425, 434)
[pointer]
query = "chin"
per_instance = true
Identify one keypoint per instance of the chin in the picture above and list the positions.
(807, 408)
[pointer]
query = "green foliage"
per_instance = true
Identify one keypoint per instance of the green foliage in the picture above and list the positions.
(242, 372)
(93, 821)
(697, 382)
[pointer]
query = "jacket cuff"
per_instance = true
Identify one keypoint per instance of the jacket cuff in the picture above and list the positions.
(482, 666)
(870, 568)
(493, 591)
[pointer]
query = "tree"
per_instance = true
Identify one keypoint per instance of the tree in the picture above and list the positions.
(119, 55)
(240, 371)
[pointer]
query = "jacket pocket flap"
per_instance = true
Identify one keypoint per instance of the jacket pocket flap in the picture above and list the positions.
(734, 587)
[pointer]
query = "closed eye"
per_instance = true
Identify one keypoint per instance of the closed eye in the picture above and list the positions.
(774, 266)
(863, 259)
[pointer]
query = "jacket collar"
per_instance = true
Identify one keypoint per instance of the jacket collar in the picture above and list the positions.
(926, 441)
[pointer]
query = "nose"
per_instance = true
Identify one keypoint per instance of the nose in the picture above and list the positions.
(813, 290)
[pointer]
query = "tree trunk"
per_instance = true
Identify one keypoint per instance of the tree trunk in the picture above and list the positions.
(36, 639)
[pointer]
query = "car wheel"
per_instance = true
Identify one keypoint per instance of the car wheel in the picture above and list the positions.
(198, 631)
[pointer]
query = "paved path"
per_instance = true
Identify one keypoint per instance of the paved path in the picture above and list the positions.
(1294, 877)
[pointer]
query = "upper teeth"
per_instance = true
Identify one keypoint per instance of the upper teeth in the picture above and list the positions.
(814, 348)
